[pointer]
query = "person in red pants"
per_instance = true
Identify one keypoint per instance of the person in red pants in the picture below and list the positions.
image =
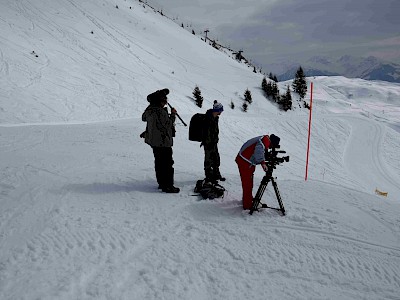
(251, 154)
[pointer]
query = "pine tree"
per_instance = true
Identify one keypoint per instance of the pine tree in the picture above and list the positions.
(286, 100)
(271, 76)
(299, 83)
(232, 105)
(275, 92)
(268, 90)
(247, 96)
(198, 97)
(264, 85)
(245, 106)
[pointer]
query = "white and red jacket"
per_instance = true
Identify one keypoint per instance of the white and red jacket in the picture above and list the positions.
(253, 151)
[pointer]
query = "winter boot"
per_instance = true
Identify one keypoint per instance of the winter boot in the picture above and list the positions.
(220, 178)
(170, 189)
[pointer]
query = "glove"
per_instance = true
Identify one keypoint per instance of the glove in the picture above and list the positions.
(264, 166)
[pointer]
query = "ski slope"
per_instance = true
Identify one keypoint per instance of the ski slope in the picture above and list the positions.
(81, 216)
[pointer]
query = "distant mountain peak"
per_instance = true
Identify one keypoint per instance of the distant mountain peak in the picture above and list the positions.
(369, 68)
(321, 60)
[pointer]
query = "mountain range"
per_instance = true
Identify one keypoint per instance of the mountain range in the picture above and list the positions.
(368, 68)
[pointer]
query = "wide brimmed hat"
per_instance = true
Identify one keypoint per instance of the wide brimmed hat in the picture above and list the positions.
(157, 96)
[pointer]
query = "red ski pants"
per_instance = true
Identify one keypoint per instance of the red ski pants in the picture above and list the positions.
(246, 172)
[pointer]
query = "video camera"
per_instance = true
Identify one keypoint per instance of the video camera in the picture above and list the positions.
(272, 159)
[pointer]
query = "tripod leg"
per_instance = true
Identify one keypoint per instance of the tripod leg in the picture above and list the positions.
(259, 194)
(278, 196)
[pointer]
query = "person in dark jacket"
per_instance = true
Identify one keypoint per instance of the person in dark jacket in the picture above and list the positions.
(159, 134)
(252, 153)
(210, 143)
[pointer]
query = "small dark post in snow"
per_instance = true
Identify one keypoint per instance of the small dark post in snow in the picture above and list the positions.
(206, 31)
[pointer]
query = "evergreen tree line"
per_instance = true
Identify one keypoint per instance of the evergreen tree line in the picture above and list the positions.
(284, 101)
(198, 98)
(271, 91)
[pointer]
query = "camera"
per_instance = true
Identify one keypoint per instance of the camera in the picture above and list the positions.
(272, 159)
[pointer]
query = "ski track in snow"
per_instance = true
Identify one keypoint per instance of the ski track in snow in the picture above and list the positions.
(363, 156)
(102, 223)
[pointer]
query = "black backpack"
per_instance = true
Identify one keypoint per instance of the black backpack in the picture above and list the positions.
(196, 127)
(209, 190)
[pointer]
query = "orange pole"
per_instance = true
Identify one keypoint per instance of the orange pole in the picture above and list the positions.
(309, 132)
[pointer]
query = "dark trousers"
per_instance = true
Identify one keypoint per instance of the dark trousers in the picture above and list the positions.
(163, 163)
(212, 162)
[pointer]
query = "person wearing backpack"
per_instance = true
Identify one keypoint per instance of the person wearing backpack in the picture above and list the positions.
(210, 138)
(159, 134)
(252, 153)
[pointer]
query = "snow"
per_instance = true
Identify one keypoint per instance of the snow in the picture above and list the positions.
(81, 216)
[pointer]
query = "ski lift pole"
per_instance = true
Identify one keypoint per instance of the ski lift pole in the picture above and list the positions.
(309, 131)
(177, 115)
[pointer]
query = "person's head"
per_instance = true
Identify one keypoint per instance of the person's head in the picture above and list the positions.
(162, 97)
(217, 109)
(158, 98)
(163, 102)
(274, 141)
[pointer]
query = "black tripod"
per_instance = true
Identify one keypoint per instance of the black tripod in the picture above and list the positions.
(257, 199)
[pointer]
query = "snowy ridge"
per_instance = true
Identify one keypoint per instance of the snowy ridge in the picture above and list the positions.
(81, 216)
(368, 68)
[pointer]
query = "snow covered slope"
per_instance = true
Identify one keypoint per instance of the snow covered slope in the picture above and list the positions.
(81, 216)
(84, 76)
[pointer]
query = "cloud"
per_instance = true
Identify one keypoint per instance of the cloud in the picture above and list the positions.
(270, 31)
(312, 27)
(395, 41)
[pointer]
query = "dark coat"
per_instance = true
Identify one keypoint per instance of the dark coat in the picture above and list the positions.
(160, 128)
(211, 130)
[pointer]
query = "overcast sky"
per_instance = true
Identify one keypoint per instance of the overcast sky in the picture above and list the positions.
(276, 31)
